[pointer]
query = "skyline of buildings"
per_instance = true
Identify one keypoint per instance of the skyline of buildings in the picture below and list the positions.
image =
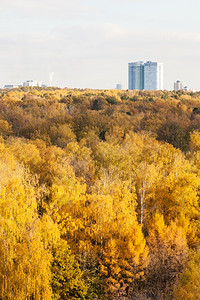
(178, 85)
(141, 76)
(145, 75)
(32, 83)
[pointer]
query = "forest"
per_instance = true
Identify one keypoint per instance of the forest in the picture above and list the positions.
(99, 194)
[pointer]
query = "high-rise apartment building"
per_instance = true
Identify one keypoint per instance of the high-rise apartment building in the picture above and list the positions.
(153, 76)
(145, 76)
(178, 85)
(136, 75)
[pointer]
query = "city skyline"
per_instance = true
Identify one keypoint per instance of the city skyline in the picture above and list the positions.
(89, 44)
(30, 83)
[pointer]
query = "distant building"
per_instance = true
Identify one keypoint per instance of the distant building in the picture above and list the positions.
(145, 76)
(188, 89)
(136, 75)
(32, 83)
(10, 86)
(178, 85)
(118, 86)
(153, 76)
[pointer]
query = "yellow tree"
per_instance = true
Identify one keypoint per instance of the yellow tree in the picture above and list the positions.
(24, 263)
(115, 233)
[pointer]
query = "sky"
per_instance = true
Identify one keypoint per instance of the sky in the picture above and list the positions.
(89, 43)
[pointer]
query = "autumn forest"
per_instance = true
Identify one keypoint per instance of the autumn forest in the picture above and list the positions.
(99, 194)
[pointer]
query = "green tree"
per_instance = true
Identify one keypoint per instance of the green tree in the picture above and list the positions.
(188, 285)
(67, 278)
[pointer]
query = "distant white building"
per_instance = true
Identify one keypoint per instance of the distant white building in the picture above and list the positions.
(178, 85)
(153, 76)
(32, 83)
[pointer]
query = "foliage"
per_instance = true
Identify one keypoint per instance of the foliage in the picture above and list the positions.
(99, 194)
(67, 281)
(188, 286)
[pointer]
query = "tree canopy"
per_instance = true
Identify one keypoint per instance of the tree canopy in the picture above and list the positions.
(99, 194)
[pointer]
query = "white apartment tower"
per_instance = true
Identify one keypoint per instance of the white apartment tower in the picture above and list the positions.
(153, 76)
(178, 85)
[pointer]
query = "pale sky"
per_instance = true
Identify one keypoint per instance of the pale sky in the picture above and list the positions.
(88, 43)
